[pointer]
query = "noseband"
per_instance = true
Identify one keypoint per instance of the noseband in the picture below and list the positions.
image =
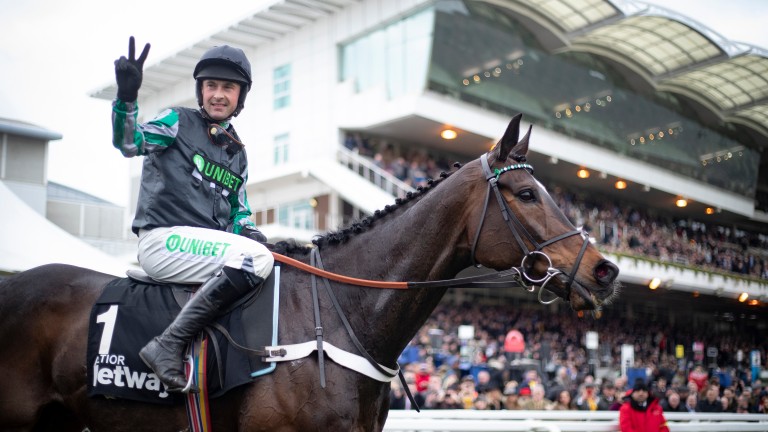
(517, 227)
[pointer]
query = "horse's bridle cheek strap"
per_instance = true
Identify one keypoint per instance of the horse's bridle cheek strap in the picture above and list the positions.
(516, 227)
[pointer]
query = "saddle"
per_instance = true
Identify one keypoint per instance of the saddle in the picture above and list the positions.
(132, 310)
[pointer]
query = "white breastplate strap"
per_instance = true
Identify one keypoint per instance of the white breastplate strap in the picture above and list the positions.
(344, 358)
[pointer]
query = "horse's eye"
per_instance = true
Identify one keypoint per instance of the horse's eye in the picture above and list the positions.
(526, 195)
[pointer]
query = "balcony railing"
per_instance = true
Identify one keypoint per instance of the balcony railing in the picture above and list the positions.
(368, 170)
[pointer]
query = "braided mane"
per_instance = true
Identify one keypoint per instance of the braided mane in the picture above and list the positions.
(362, 225)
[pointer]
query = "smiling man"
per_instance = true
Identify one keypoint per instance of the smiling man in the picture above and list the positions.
(192, 216)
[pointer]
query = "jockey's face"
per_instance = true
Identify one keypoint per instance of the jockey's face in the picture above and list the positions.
(220, 98)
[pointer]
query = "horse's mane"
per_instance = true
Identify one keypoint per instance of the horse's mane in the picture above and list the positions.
(359, 226)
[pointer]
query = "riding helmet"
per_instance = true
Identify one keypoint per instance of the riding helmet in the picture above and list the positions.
(224, 63)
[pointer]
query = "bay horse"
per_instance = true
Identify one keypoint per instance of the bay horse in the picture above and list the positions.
(491, 211)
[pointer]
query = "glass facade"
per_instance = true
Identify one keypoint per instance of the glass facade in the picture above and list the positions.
(394, 58)
(482, 54)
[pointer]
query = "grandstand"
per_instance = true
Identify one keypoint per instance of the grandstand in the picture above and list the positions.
(634, 108)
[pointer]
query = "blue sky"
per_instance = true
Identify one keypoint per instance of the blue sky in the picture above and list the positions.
(53, 53)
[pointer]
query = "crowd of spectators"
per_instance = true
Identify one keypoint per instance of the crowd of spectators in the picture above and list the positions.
(624, 228)
(618, 226)
(553, 371)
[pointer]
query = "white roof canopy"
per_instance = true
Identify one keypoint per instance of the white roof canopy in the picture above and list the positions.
(28, 240)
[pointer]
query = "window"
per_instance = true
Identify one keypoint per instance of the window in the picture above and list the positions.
(282, 86)
(280, 147)
(395, 57)
(300, 215)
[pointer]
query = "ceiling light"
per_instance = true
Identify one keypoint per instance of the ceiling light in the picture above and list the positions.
(582, 173)
(753, 302)
(681, 202)
(654, 283)
(448, 134)
(743, 297)
(621, 184)
(709, 211)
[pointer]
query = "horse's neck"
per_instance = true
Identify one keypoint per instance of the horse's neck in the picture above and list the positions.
(421, 241)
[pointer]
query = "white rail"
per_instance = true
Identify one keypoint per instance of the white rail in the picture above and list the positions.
(371, 172)
(560, 421)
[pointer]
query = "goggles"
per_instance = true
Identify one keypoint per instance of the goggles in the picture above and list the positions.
(222, 138)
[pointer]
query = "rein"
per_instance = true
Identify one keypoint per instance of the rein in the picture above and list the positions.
(492, 280)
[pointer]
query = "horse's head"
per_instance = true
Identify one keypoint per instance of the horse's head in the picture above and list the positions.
(521, 226)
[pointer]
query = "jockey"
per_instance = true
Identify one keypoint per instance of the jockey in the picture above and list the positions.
(192, 215)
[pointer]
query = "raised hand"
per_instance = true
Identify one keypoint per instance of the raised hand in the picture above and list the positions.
(128, 72)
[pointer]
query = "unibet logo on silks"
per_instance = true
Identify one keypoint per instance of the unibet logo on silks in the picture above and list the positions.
(217, 174)
(194, 246)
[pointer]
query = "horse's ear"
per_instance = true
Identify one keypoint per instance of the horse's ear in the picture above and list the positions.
(509, 140)
(520, 150)
(509, 144)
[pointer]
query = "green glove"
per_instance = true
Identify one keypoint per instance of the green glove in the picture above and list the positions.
(128, 72)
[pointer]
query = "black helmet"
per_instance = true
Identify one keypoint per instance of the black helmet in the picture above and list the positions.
(224, 63)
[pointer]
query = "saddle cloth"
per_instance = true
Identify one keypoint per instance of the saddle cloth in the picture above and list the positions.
(129, 313)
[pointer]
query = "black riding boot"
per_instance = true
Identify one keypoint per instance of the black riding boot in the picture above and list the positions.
(164, 353)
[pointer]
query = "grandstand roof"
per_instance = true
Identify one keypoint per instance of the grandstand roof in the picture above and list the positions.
(59, 192)
(274, 21)
(673, 52)
(15, 127)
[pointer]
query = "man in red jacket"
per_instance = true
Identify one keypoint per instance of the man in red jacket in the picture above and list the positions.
(641, 412)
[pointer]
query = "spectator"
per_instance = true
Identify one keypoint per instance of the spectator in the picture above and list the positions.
(698, 376)
(511, 398)
(607, 396)
(495, 398)
(467, 392)
(729, 404)
(399, 400)
(563, 401)
(762, 405)
(524, 395)
(744, 405)
(711, 401)
(422, 377)
(537, 400)
(691, 402)
(452, 399)
(587, 400)
(673, 403)
(642, 412)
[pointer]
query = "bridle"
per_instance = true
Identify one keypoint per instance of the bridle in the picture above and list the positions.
(513, 222)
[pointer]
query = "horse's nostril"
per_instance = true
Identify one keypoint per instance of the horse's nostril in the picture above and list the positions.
(606, 272)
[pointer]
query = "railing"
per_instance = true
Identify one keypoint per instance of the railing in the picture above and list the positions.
(560, 421)
(371, 172)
